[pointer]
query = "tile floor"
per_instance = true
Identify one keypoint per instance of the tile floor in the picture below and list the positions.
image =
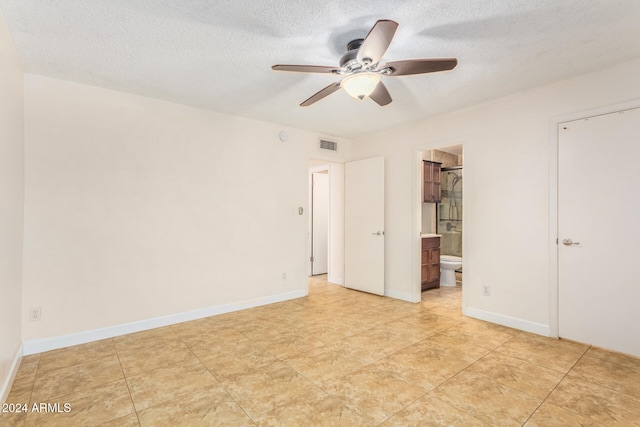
(336, 357)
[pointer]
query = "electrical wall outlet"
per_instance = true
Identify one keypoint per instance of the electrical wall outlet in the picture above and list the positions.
(486, 290)
(35, 314)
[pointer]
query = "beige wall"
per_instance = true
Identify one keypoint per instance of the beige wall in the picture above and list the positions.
(506, 190)
(138, 208)
(11, 205)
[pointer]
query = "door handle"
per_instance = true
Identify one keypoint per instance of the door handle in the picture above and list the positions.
(569, 242)
(378, 233)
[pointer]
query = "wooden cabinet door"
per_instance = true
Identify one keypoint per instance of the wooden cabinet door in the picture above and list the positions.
(425, 277)
(432, 182)
(434, 265)
(436, 182)
(430, 268)
(427, 188)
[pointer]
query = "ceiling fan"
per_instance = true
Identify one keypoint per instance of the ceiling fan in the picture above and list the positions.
(361, 70)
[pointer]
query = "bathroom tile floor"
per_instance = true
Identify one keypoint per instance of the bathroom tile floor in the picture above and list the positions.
(336, 357)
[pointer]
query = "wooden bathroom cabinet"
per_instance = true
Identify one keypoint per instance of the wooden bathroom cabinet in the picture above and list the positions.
(430, 263)
(432, 182)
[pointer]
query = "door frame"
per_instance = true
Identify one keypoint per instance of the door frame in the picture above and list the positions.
(554, 139)
(416, 259)
(312, 218)
(311, 170)
(335, 249)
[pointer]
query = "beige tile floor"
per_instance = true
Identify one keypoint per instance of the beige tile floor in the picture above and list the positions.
(336, 357)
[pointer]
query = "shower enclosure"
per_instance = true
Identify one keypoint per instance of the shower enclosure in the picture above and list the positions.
(449, 212)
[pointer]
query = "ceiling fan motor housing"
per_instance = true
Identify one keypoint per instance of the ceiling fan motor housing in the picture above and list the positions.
(349, 60)
(354, 44)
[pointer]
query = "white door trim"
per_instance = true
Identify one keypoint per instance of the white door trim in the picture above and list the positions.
(554, 122)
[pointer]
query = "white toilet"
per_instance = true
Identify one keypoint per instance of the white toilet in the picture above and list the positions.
(448, 266)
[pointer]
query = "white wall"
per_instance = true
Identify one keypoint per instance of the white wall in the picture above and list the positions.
(11, 206)
(137, 208)
(506, 187)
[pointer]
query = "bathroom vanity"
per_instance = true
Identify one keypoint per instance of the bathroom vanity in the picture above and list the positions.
(430, 276)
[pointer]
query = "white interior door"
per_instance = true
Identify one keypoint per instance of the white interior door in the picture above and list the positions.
(364, 225)
(599, 211)
(320, 222)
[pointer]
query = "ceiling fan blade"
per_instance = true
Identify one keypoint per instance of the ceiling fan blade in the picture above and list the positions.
(377, 42)
(307, 68)
(419, 66)
(381, 95)
(321, 94)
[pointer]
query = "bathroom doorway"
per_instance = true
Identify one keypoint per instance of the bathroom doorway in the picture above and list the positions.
(444, 218)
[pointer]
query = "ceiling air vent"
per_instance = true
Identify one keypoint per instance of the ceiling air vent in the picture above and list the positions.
(328, 145)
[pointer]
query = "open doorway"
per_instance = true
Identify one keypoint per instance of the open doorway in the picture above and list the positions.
(326, 221)
(319, 223)
(440, 221)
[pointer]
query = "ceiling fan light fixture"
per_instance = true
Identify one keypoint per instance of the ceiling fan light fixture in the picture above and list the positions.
(360, 67)
(360, 85)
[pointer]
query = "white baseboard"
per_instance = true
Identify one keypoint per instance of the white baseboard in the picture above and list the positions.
(8, 382)
(46, 344)
(511, 322)
(336, 280)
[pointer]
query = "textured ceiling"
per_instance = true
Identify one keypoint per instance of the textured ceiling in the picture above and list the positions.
(217, 54)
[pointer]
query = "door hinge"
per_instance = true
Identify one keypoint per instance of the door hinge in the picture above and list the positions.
(311, 259)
